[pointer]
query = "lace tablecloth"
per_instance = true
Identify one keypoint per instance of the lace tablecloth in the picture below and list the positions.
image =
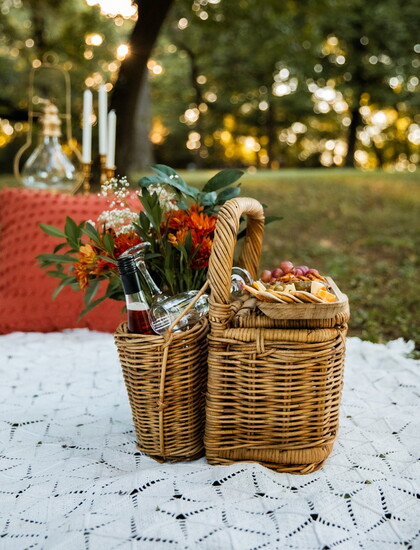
(71, 477)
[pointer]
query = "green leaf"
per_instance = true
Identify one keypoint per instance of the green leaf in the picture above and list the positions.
(152, 180)
(144, 222)
(72, 231)
(182, 205)
(57, 274)
(173, 179)
(222, 179)
(165, 170)
(271, 219)
(91, 291)
(56, 258)
(64, 282)
(109, 243)
(92, 233)
(108, 259)
(59, 247)
(188, 244)
(91, 306)
(140, 232)
(52, 230)
(207, 199)
(227, 194)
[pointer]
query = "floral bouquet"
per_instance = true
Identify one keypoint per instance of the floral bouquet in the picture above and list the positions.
(177, 220)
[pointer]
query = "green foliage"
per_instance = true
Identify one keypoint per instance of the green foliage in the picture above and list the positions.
(354, 48)
(64, 264)
(206, 198)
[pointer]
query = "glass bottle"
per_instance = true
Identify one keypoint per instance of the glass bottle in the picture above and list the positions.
(137, 306)
(239, 277)
(163, 313)
(48, 167)
(152, 292)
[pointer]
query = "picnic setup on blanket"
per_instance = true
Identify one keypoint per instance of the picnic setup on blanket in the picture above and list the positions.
(234, 381)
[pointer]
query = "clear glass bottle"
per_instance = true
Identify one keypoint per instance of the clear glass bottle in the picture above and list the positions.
(48, 167)
(163, 313)
(239, 277)
(137, 306)
(152, 292)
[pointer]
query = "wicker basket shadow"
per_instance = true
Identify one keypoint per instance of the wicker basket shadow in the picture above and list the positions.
(274, 386)
(165, 377)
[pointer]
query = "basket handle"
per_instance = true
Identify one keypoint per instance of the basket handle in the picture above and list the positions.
(221, 258)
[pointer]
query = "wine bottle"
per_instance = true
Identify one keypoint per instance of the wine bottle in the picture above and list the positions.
(137, 306)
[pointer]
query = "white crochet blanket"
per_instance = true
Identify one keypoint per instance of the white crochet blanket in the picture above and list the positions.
(71, 477)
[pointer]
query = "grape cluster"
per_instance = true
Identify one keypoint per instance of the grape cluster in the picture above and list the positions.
(285, 268)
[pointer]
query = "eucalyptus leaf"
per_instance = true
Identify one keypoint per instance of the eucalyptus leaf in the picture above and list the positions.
(227, 194)
(175, 180)
(207, 199)
(224, 178)
(152, 180)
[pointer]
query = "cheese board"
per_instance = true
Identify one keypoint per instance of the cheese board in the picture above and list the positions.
(326, 310)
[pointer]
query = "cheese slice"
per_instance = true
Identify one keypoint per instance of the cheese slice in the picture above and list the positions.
(316, 287)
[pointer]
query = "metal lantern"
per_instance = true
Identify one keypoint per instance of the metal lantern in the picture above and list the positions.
(48, 166)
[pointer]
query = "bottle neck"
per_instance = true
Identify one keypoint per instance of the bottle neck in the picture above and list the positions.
(48, 140)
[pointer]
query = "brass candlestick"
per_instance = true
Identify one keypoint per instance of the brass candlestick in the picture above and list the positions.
(110, 172)
(87, 173)
(102, 163)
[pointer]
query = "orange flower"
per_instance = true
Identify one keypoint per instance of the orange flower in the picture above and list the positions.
(201, 259)
(200, 225)
(200, 221)
(83, 268)
(124, 241)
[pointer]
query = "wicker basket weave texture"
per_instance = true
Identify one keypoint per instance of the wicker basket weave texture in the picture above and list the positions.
(274, 387)
(165, 380)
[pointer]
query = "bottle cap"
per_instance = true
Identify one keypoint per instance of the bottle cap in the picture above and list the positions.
(129, 275)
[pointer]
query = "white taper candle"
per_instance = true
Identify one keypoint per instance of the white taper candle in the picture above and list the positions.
(112, 128)
(103, 113)
(87, 126)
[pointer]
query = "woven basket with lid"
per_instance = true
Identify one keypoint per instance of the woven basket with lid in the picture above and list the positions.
(274, 385)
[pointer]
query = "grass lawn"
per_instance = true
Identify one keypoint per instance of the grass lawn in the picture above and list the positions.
(361, 228)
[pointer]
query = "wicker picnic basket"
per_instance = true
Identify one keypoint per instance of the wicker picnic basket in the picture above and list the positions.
(165, 377)
(274, 382)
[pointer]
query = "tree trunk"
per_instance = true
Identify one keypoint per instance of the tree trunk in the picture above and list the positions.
(143, 151)
(194, 73)
(126, 91)
(356, 119)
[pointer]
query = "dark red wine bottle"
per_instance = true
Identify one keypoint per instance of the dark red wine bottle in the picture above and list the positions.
(137, 307)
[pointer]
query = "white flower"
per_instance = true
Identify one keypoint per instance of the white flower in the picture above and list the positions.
(167, 198)
(120, 220)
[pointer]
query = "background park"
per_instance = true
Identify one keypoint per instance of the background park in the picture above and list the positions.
(317, 102)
